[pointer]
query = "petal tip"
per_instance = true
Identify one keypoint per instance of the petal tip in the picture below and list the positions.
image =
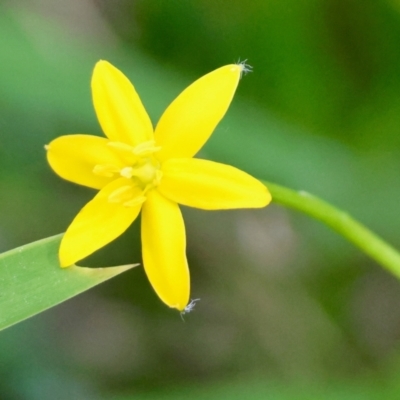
(267, 197)
(235, 68)
(101, 66)
(263, 198)
(101, 62)
(65, 257)
(64, 264)
(178, 307)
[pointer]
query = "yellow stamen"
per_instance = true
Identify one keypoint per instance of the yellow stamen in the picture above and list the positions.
(124, 193)
(146, 148)
(107, 171)
(134, 202)
(121, 146)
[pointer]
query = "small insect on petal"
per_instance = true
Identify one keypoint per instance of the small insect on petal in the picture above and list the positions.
(245, 68)
(189, 308)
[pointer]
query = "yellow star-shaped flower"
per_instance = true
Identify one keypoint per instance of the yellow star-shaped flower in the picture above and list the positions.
(137, 169)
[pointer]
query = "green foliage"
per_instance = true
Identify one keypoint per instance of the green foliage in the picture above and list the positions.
(32, 280)
(258, 390)
(331, 66)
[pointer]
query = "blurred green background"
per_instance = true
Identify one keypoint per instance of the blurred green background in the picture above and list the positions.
(288, 309)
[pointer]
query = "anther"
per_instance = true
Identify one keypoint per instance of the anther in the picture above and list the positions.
(126, 172)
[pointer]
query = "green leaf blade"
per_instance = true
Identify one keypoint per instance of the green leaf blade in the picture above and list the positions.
(32, 281)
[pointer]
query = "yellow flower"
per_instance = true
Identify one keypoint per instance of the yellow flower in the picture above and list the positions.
(137, 169)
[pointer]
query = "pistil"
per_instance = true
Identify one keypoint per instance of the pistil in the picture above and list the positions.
(139, 166)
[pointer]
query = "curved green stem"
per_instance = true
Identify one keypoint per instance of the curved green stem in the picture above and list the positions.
(341, 222)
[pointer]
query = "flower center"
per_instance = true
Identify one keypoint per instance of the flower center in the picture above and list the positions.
(139, 165)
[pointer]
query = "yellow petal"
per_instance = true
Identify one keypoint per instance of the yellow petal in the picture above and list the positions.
(163, 249)
(118, 107)
(210, 185)
(97, 224)
(191, 118)
(74, 158)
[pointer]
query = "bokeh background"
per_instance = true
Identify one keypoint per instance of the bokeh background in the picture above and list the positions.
(288, 309)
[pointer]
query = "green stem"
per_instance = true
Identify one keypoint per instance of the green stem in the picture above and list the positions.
(341, 222)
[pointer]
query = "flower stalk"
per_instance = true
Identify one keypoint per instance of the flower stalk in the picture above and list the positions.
(340, 221)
